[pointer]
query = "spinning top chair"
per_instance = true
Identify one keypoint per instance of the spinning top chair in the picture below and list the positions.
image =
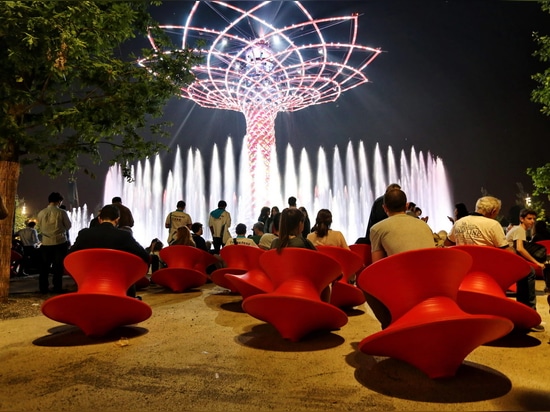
(428, 329)
(294, 307)
(186, 268)
(483, 290)
(238, 259)
(364, 251)
(103, 276)
(343, 293)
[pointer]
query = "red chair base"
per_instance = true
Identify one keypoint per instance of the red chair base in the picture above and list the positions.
(179, 279)
(345, 295)
(479, 293)
(436, 347)
(143, 283)
(218, 277)
(294, 317)
(522, 316)
(96, 314)
(251, 283)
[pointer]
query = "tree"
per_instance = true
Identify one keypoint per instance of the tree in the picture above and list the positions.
(69, 95)
(541, 94)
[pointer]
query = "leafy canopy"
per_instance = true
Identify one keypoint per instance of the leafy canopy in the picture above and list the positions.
(541, 175)
(67, 89)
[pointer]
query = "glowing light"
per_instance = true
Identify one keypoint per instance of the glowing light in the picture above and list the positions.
(245, 73)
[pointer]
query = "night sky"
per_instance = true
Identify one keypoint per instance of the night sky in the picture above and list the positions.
(454, 80)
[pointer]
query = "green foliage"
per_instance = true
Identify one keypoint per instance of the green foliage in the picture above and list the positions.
(68, 94)
(541, 179)
(542, 93)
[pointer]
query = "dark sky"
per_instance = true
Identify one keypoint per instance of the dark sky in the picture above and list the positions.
(454, 80)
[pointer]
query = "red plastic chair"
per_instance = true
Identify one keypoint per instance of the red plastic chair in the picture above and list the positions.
(186, 268)
(238, 260)
(428, 329)
(244, 276)
(294, 307)
(103, 276)
(364, 251)
(483, 290)
(344, 294)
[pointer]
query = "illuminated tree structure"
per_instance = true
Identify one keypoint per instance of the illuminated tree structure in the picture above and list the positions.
(252, 66)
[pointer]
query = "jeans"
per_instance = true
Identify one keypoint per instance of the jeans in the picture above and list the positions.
(52, 261)
(526, 290)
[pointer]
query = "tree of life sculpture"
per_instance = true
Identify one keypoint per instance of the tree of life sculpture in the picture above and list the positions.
(253, 67)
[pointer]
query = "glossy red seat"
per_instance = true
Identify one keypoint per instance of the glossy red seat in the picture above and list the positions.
(238, 260)
(364, 251)
(428, 329)
(294, 307)
(483, 290)
(103, 276)
(186, 268)
(344, 294)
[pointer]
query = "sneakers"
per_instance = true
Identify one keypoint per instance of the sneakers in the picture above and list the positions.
(538, 328)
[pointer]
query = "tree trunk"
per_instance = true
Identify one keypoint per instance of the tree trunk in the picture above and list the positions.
(9, 178)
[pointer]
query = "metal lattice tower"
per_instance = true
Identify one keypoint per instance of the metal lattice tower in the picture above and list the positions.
(253, 67)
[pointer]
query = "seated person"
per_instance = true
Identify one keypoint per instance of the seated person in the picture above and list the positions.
(200, 243)
(241, 238)
(258, 231)
(183, 237)
(107, 235)
(323, 235)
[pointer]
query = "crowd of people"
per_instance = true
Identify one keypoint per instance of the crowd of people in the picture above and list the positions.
(395, 225)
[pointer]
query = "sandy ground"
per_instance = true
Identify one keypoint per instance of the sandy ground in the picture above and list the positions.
(200, 352)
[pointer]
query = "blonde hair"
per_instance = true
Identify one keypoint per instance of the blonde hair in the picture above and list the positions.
(487, 205)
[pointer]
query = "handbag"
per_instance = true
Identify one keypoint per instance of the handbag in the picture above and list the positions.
(536, 250)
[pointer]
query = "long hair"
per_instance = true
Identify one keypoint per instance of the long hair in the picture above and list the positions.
(289, 226)
(183, 237)
(322, 222)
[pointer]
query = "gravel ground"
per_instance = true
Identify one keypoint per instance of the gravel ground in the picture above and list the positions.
(23, 305)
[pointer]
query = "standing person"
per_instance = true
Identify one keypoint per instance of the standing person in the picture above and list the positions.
(292, 202)
(107, 235)
(219, 223)
(517, 237)
(398, 233)
(241, 238)
(29, 239)
(126, 218)
(54, 224)
(3, 210)
(274, 215)
(176, 219)
(264, 215)
(307, 222)
(323, 235)
(377, 212)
